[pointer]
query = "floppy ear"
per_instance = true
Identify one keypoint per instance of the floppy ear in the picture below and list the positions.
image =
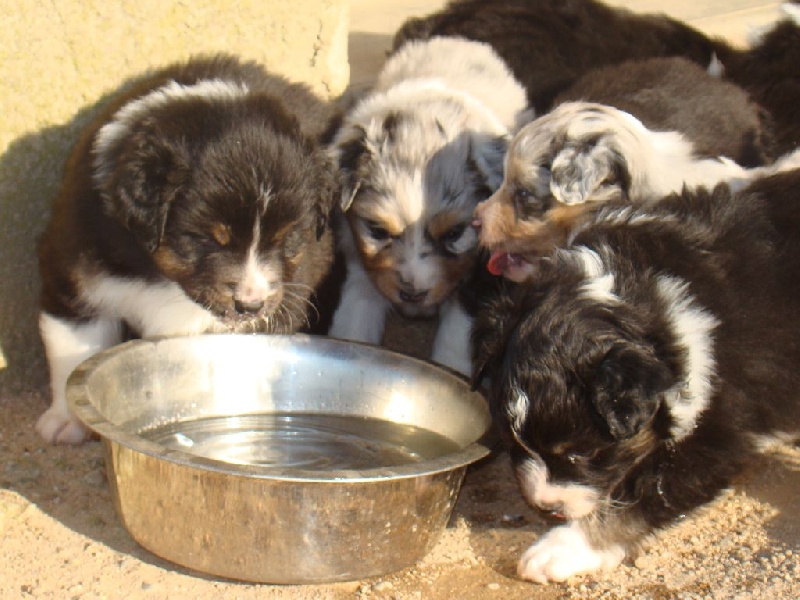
(627, 387)
(588, 170)
(487, 154)
(328, 189)
(148, 171)
(350, 153)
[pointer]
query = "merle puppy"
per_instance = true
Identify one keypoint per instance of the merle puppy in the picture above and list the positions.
(645, 364)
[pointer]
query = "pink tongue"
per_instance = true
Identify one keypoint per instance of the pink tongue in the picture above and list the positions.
(498, 263)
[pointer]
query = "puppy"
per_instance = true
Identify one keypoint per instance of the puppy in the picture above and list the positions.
(768, 72)
(561, 166)
(645, 365)
(548, 44)
(197, 202)
(416, 155)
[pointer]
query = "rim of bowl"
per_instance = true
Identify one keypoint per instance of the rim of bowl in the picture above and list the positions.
(90, 416)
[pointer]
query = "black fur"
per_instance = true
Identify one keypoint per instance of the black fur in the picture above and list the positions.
(769, 73)
(144, 209)
(597, 373)
(548, 44)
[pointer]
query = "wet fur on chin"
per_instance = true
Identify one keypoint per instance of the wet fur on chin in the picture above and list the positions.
(416, 155)
(642, 369)
(197, 201)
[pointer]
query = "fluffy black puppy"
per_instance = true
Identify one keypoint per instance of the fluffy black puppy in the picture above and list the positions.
(197, 201)
(645, 364)
(548, 44)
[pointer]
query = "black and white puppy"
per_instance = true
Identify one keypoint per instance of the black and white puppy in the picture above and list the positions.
(197, 202)
(548, 44)
(645, 364)
(416, 155)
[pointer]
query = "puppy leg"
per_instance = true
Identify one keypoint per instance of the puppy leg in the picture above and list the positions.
(564, 552)
(361, 315)
(451, 347)
(67, 344)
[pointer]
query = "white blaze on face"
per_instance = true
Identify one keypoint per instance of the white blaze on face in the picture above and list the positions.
(258, 282)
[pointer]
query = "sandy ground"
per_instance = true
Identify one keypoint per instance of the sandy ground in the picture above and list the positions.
(61, 538)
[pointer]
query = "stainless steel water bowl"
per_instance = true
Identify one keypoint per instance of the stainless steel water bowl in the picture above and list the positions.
(280, 459)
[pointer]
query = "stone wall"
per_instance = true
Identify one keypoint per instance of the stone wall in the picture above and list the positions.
(60, 58)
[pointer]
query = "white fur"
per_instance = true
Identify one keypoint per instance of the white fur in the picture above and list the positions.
(599, 283)
(791, 11)
(361, 314)
(67, 344)
(577, 501)
(715, 67)
(258, 282)
(693, 328)
(564, 552)
(154, 309)
(787, 162)
(517, 410)
(451, 347)
(469, 71)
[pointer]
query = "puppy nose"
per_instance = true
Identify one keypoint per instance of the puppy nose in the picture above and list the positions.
(413, 296)
(552, 511)
(248, 306)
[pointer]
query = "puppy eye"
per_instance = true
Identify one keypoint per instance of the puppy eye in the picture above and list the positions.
(377, 232)
(452, 235)
(528, 203)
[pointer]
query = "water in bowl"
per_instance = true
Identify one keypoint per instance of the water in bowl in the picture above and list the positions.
(316, 442)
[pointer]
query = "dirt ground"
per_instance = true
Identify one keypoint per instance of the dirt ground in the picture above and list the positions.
(61, 538)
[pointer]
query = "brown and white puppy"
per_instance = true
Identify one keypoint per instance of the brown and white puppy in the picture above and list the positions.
(416, 156)
(198, 201)
(549, 44)
(645, 365)
(568, 162)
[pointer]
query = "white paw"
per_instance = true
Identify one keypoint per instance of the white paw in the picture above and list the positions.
(563, 553)
(59, 427)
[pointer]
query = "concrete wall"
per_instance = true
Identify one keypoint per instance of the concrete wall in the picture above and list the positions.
(58, 58)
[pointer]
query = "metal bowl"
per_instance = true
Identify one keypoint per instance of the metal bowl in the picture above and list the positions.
(234, 454)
